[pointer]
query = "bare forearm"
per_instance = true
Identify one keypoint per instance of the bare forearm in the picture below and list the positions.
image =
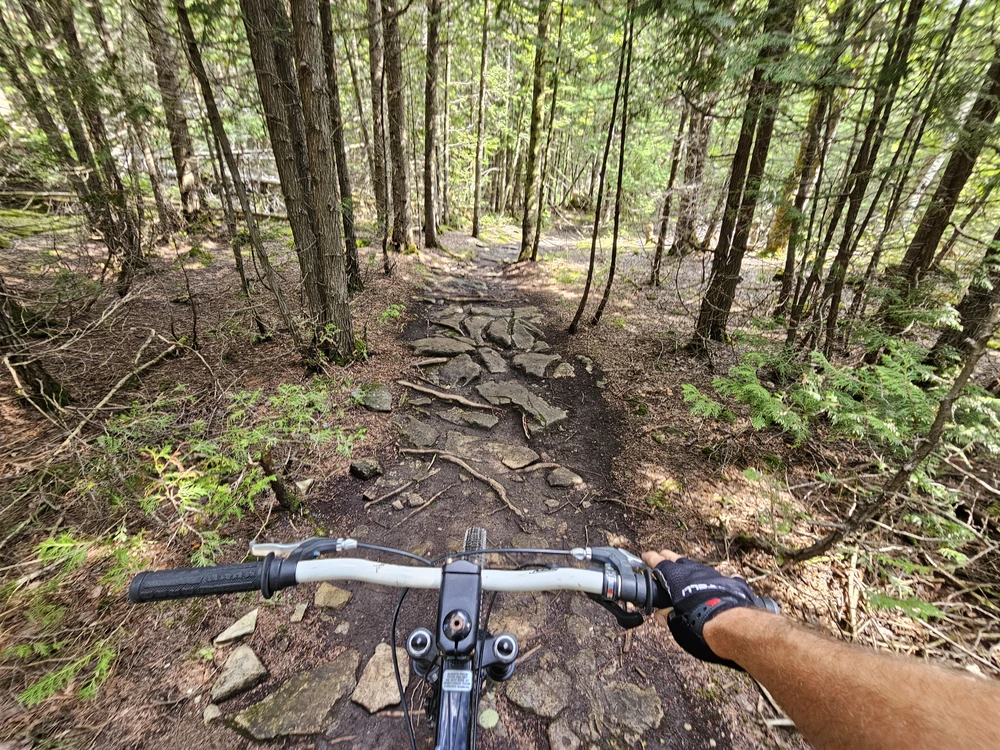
(841, 696)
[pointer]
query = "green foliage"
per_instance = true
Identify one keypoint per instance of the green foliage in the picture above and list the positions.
(392, 312)
(65, 549)
(915, 608)
(702, 405)
(99, 660)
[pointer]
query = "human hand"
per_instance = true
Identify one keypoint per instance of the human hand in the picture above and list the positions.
(697, 593)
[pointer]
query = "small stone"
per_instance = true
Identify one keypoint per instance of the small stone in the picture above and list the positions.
(377, 687)
(366, 468)
(564, 370)
(522, 339)
(343, 629)
(242, 627)
(397, 504)
(301, 704)
(299, 613)
(331, 597)
(304, 485)
(563, 477)
(440, 346)
(711, 743)
(687, 727)
(493, 361)
(488, 718)
(544, 692)
(483, 420)
(414, 500)
(417, 433)
(535, 364)
(561, 737)
(552, 503)
(373, 396)
(460, 371)
(513, 456)
(497, 333)
(242, 671)
(588, 363)
(212, 712)
(602, 383)
(419, 401)
(585, 504)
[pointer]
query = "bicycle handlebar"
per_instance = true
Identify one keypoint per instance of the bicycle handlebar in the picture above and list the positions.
(180, 583)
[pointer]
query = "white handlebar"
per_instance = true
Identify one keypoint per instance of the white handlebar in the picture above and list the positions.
(406, 576)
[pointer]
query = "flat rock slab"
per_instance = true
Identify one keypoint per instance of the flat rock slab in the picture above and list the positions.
(441, 346)
(498, 334)
(521, 337)
(540, 346)
(535, 364)
(301, 704)
(242, 627)
(299, 613)
(563, 477)
(241, 672)
(493, 361)
(564, 370)
(544, 692)
(366, 468)
(491, 312)
(468, 418)
(417, 433)
(530, 312)
(638, 709)
(373, 396)
(513, 456)
(377, 687)
(460, 444)
(331, 597)
(502, 394)
(475, 325)
(461, 370)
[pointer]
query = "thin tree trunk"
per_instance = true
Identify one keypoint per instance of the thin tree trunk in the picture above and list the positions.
(480, 123)
(696, 155)
(528, 220)
(445, 127)
(167, 66)
(621, 171)
(335, 332)
(354, 282)
(548, 139)
(350, 50)
(668, 195)
(380, 182)
(430, 121)
(600, 190)
(402, 238)
(219, 132)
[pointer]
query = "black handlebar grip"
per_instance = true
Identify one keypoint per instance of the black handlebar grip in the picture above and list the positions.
(160, 585)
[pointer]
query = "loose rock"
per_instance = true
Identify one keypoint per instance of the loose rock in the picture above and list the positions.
(493, 361)
(417, 433)
(479, 419)
(489, 718)
(461, 370)
(414, 500)
(242, 671)
(397, 504)
(377, 687)
(497, 333)
(563, 477)
(561, 737)
(373, 396)
(212, 712)
(366, 468)
(491, 312)
(501, 394)
(475, 325)
(299, 613)
(564, 370)
(540, 346)
(513, 456)
(522, 339)
(535, 364)
(440, 346)
(638, 709)
(331, 597)
(242, 627)
(544, 692)
(301, 704)
(529, 312)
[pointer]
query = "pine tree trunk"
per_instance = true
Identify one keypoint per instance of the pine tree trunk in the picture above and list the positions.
(973, 137)
(668, 195)
(380, 181)
(618, 189)
(402, 238)
(222, 139)
(445, 127)
(354, 282)
(350, 50)
(480, 122)
(335, 331)
(534, 129)
(167, 65)
(430, 121)
(696, 156)
(543, 172)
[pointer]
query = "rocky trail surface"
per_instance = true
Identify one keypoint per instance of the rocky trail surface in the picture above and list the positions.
(497, 427)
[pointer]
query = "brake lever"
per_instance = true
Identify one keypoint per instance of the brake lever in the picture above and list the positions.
(627, 620)
(304, 550)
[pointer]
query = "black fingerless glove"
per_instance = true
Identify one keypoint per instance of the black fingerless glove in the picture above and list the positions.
(698, 593)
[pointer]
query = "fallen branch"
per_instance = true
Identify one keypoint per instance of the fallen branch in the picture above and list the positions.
(444, 396)
(493, 483)
(387, 495)
(430, 361)
(420, 508)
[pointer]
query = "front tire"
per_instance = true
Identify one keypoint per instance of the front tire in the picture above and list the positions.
(475, 539)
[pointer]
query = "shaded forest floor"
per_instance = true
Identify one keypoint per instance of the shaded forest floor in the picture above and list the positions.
(654, 477)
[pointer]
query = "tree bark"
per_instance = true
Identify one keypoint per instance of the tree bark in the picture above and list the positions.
(335, 330)
(480, 122)
(167, 66)
(970, 143)
(696, 156)
(528, 221)
(430, 121)
(745, 176)
(668, 196)
(402, 238)
(445, 128)
(354, 282)
(600, 190)
(621, 172)
(543, 172)
(350, 50)
(380, 181)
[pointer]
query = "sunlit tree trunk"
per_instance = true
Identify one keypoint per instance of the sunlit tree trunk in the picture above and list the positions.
(480, 122)
(668, 196)
(430, 121)
(528, 219)
(402, 238)
(380, 179)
